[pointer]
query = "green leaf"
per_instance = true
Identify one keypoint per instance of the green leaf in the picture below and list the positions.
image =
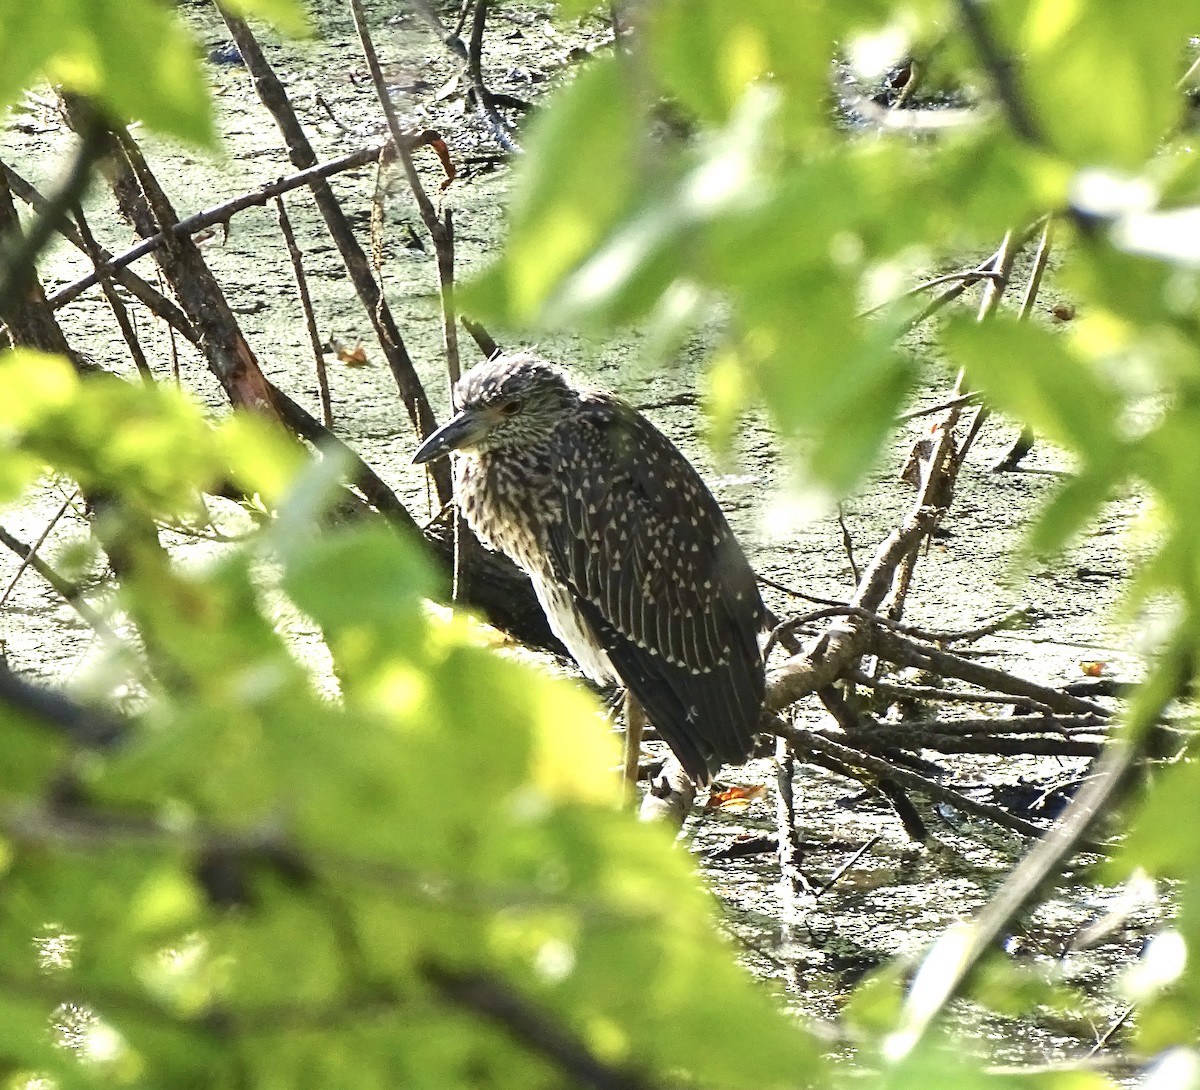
(1030, 373)
(29, 754)
(576, 182)
(1076, 501)
(1069, 53)
(288, 15)
(708, 54)
(136, 58)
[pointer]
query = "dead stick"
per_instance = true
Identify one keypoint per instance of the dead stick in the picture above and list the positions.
(450, 39)
(1023, 444)
(115, 303)
(441, 232)
(952, 961)
(943, 464)
(537, 1030)
(845, 867)
(900, 650)
(149, 296)
(71, 593)
(484, 104)
(964, 279)
(220, 213)
(21, 247)
(940, 407)
(807, 742)
(310, 321)
(271, 92)
(481, 337)
(1006, 745)
(791, 854)
(1000, 67)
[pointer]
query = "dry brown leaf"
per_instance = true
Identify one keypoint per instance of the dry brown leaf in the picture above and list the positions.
(735, 799)
(352, 357)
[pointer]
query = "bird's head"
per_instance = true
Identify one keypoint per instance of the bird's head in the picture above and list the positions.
(509, 402)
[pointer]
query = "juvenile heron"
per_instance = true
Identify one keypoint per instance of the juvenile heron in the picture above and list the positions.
(631, 557)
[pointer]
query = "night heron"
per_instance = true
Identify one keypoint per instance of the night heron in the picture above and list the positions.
(631, 557)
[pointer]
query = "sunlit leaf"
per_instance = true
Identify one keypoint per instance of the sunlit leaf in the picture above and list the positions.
(585, 158)
(1028, 372)
(1069, 53)
(288, 15)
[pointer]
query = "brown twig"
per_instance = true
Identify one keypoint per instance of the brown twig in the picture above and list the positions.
(963, 279)
(950, 964)
(481, 337)
(852, 723)
(31, 552)
(905, 652)
(480, 95)
(150, 297)
(450, 39)
(811, 743)
(1023, 444)
(146, 205)
(845, 868)
(940, 469)
(71, 593)
(441, 230)
(87, 727)
(273, 95)
(847, 543)
(310, 320)
(940, 407)
(937, 693)
(796, 885)
(221, 213)
(1038, 746)
(116, 305)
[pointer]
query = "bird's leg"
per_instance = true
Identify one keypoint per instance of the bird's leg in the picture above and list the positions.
(635, 723)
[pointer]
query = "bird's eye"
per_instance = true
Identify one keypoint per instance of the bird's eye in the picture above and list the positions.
(511, 408)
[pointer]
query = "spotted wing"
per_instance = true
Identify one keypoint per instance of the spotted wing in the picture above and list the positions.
(660, 578)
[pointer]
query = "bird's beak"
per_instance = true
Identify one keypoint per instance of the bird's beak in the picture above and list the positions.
(463, 430)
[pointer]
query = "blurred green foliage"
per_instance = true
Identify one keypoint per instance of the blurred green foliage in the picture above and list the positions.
(265, 885)
(133, 56)
(770, 189)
